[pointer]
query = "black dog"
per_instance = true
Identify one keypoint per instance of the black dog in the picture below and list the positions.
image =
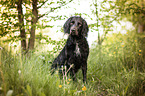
(76, 50)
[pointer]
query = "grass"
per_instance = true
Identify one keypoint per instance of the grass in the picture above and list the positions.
(114, 69)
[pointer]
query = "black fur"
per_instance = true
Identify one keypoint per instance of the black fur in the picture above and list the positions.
(76, 50)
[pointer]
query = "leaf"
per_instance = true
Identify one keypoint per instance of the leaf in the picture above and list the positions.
(42, 94)
(126, 89)
(29, 90)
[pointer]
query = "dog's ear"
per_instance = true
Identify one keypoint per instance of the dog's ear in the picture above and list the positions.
(66, 26)
(85, 29)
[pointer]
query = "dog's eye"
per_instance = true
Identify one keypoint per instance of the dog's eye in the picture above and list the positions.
(72, 23)
(79, 24)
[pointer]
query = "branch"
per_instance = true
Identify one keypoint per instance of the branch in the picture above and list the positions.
(42, 4)
(53, 9)
(40, 16)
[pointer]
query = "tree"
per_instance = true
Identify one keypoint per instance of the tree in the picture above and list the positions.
(108, 11)
(9, 17)
(104, 18)
(134, 11)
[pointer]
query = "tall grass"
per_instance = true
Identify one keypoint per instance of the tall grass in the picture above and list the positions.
(114, 68)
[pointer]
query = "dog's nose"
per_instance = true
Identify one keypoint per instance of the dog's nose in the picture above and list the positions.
(73, 30)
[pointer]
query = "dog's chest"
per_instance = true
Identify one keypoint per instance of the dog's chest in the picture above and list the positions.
(77, 50)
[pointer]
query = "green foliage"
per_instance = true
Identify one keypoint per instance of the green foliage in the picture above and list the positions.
(104, 17)
(107, 11)
(133, 10)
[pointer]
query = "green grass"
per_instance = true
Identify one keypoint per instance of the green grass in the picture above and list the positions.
(114, 68)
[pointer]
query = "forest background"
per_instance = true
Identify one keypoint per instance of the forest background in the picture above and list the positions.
(31, 36)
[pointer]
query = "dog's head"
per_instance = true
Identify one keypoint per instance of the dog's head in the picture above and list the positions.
(76, 26)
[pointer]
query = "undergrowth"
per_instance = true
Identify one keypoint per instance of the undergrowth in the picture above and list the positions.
(115, 68)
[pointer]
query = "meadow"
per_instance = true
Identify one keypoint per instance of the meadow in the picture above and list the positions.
(115, 68)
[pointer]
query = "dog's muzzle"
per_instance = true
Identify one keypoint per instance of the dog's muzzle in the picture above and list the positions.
(74, 31)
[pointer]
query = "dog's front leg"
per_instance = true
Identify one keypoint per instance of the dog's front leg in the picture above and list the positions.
(84, 71)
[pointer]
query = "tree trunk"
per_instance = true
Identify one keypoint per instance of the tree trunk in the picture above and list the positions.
(33, 25)
(141, 28)
(22, 30)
